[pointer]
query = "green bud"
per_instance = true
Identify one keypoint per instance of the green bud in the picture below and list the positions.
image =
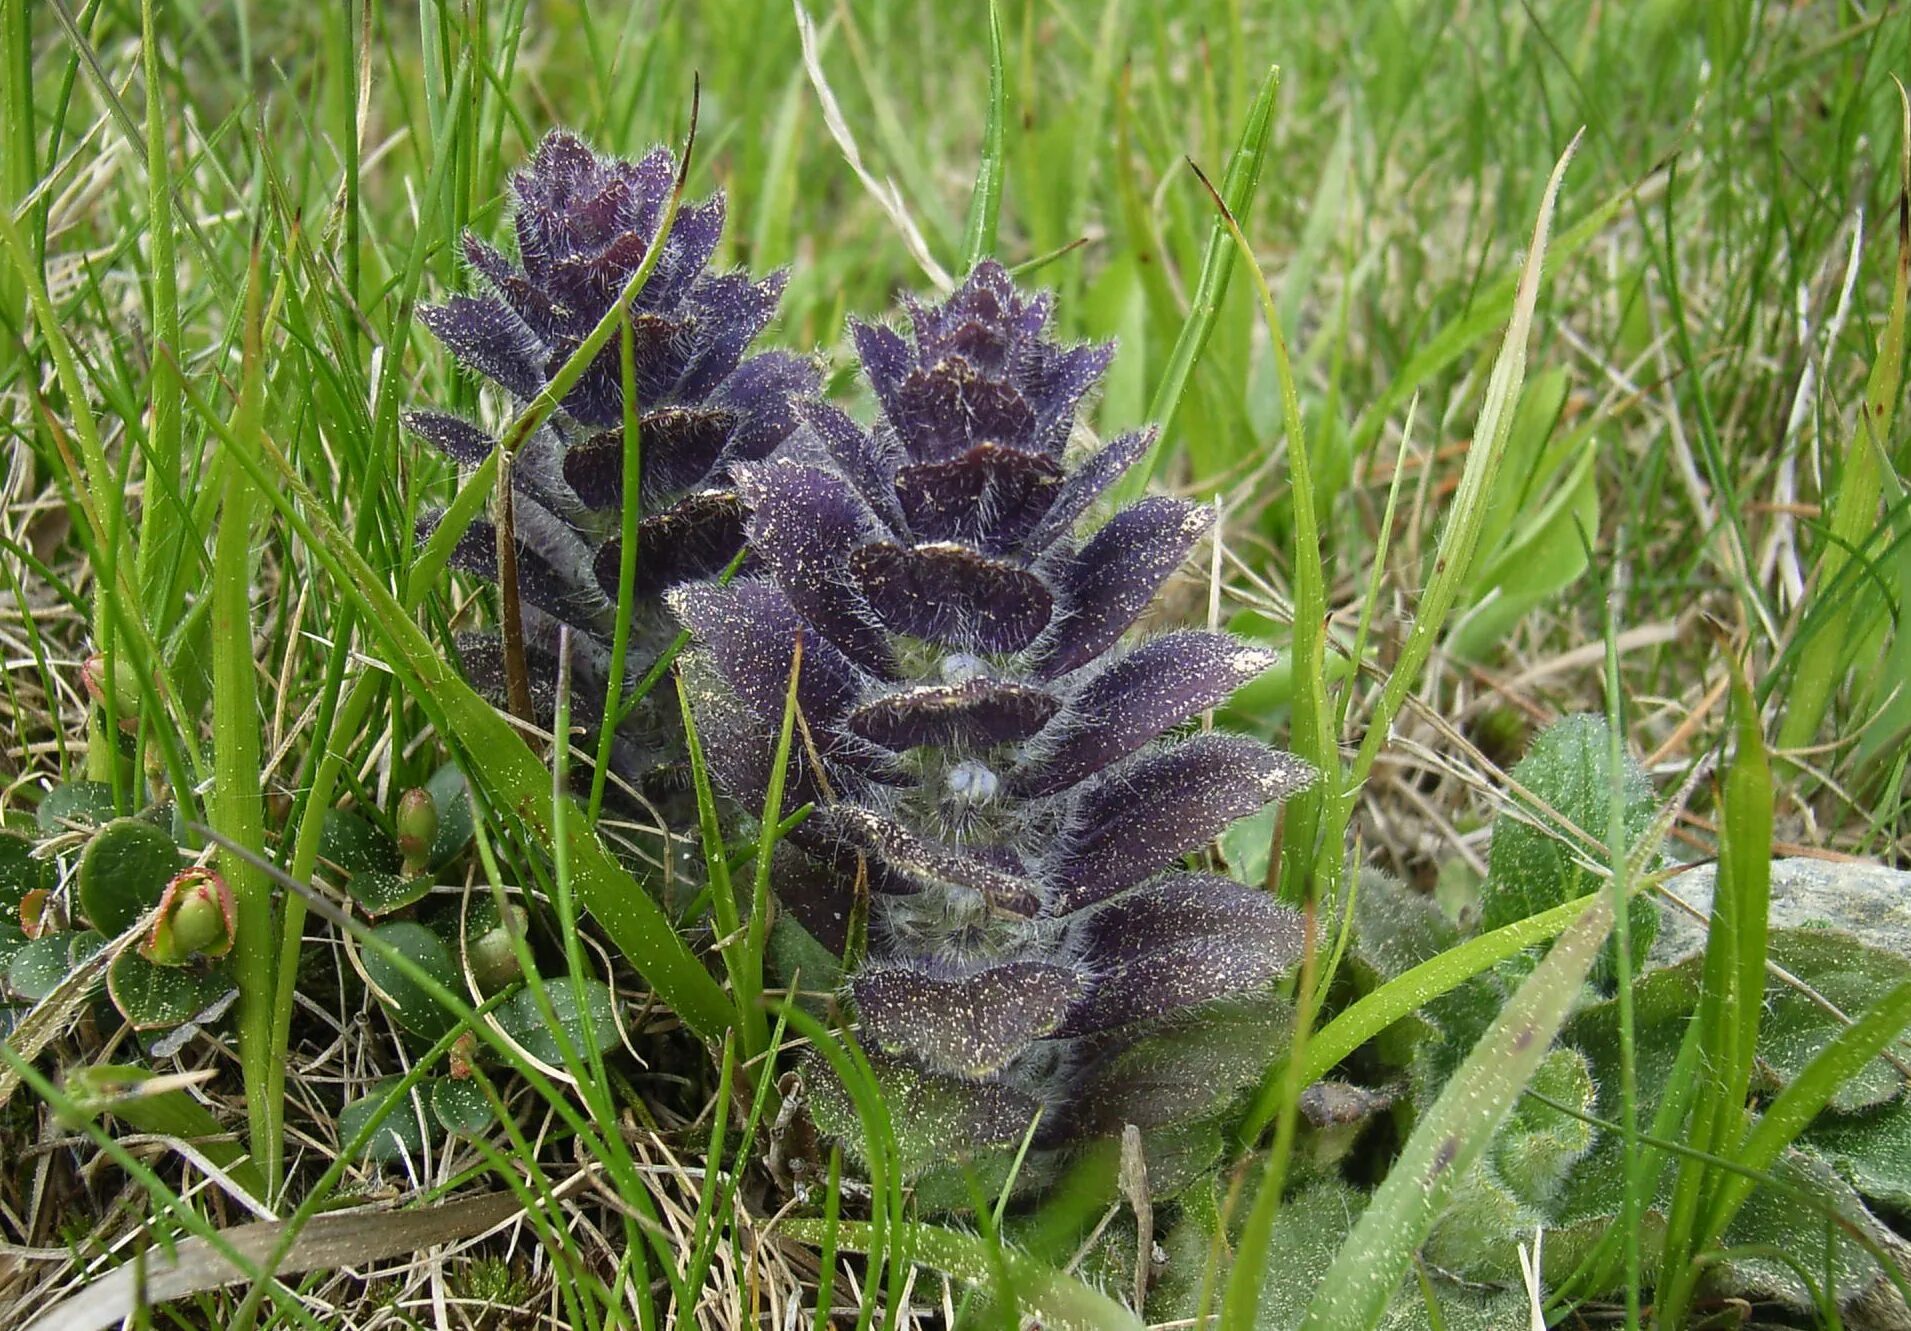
(196, 917)
(417, 827)
(494, 961)
(123, 682)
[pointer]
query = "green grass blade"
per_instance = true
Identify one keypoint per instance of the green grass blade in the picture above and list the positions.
(236, 810)
(1732, 989)
(1459, 539)
(1313, 729)
(629, 515)
(1745, 878)
(1854, 527)
(1800, 1102)
(1238, 187)
(1054, 1299)
(1366, 1018)
(731, 937)
(1372, 1263)
(518, 782)
(162, 525)
(985, 203)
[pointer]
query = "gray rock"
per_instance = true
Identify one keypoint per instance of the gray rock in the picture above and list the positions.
(1868, 900)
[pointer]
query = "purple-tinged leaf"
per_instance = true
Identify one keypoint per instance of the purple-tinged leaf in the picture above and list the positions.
(929, 861)
(1179, 1072)
(490, 264)
(459, 440)
(481, 662)
(540, 584)
(948, 408)
(1136, 699)
(1111, 579)
(1182, 906)
(858, 455)
(750, 629)
(988, 497)
(967, 1025)
(886, 361)
(1054, 381)
(694, 538)
(597, 400)
(738, 743)
(1158, 984)
(1086, 484)
(487, 336)
(938, 1118)
(1139, 819)
(976, 713)
(762, 393)
(679, 445)
(947, 593)
(734, 310)
(804, 522)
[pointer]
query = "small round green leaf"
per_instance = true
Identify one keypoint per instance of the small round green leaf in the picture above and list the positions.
(381, 893)
(153, 998)
(124, 873)
(20, 873)
(355, 844)
(37, 968)
(414, 1008)
(524, 1021)
(11, 941)
(460, 1106)
(453, 800)
(86, 803)
(399, 1136)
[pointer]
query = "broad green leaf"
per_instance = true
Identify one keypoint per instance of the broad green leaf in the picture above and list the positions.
(354, 844)
(37, 968)
(381, 893)
(1534, 865)
(460, 1107)
(20, 874)
(453, 800)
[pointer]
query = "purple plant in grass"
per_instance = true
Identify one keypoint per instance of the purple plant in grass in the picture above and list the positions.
(991, 756)
(583, 226)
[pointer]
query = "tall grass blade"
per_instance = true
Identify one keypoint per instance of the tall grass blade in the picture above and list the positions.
(1313, 730)
(1238, 188)
(985, 203)
(1460, 537)
(1828, 631)
(518, 783)
(237, 810)
(1370, 1266)
(163, 524)
(1054, 1299)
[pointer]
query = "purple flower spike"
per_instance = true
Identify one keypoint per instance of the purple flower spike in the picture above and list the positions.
(584, 225)
(1007, 783)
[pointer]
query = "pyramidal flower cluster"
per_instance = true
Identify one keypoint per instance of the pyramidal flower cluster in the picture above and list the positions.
(997, 769)
(584, 224)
